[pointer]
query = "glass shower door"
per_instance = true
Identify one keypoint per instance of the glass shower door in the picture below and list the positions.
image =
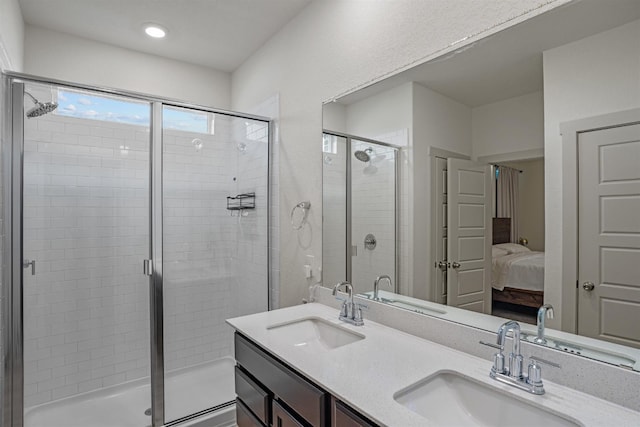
(215, 265)
(373, 214)
(85, 236)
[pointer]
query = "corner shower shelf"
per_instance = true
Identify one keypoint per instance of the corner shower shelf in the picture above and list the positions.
(241, 202)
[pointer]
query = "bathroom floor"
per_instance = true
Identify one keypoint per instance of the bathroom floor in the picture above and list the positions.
(187, 391)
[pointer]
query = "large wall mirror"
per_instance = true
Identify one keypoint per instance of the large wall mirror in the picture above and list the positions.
(498, 179)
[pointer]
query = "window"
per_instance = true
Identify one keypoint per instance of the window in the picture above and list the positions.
(86, 105)
(188, 120)
(329, 144)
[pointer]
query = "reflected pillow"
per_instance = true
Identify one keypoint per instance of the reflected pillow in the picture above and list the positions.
(498, 252)
(512, 248)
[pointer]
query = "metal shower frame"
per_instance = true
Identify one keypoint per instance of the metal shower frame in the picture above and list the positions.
(12, 146)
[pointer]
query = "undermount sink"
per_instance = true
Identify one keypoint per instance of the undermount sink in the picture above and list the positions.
(449, 398)
(313, 333)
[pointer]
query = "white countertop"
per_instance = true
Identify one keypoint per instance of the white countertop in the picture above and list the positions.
(591, 348)
(366, 374)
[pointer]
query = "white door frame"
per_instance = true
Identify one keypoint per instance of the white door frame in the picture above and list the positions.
(569, 132)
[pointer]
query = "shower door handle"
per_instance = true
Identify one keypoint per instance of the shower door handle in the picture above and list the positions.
(28, 263)
(147, 267)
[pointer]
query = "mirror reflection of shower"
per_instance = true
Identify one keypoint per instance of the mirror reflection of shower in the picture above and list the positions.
(360, 180)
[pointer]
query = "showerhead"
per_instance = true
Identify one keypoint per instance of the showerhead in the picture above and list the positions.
(40, 109)
(363, 156)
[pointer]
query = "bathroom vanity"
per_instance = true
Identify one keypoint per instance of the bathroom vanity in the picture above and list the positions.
(271, 393)
(302, 366)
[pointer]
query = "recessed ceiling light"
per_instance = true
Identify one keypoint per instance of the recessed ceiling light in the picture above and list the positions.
(155, 31)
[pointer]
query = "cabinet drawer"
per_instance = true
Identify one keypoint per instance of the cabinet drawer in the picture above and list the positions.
(252, 395)
(244, 417)
(344, 416)
(307, 400)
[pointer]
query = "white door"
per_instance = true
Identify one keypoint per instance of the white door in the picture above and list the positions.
(440, 213)
(469, 235)
(609, 234)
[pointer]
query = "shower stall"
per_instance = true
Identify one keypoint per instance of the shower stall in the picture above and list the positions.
(132, 227)
(360, 211)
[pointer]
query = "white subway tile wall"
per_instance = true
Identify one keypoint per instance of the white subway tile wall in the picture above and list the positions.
(86, 225)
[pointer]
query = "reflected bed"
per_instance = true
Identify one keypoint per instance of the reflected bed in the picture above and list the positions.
(517, 273)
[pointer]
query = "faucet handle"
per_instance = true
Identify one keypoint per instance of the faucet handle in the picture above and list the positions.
(357, 313)
(488, 344)
(498, 358)
(535, 372)
(344, 310)
(535, 359)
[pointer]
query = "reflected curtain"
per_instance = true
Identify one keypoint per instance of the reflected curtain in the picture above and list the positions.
(507, 198)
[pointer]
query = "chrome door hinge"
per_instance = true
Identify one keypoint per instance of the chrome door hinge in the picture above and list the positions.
(147, 267)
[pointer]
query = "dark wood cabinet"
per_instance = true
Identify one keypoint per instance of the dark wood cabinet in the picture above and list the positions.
(244, 416)
(283, 417)
(271, 393)
(344, 416)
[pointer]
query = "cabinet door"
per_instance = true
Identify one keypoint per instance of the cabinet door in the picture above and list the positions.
(302, 396)
(244, 417)
(252, 395)
(347, 417)
(282, 417)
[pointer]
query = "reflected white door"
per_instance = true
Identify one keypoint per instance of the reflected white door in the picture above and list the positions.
(440, 195)
(609, 234)
(469, 235)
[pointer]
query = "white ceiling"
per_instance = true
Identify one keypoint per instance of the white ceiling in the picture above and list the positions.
(219, 34)
(509, 63)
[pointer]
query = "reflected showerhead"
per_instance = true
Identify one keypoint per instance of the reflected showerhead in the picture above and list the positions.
(40, 109)
(370, 169)
(363, 156)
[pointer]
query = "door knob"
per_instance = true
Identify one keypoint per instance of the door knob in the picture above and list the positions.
(588, 286)
(455, 264)
(442, 265)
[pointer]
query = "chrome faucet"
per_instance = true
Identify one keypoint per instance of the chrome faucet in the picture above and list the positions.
(512, 374)
(515, 358)
(544, 311)
(376, 283)
(350, 311)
